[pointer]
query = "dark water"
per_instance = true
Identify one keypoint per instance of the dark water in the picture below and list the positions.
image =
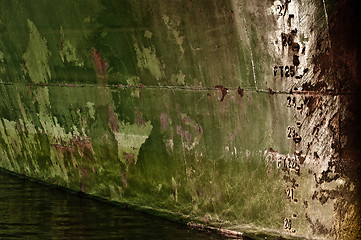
(30, 210)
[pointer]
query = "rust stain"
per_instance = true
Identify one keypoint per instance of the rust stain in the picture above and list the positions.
(240, 91)
(186, 120)
(163, 122)
(29, 86)
(139, 120)
(200, 129)
(124, 180)
(224, 91)
(179, 130)
(113, 120)
(296, 60)
(208, 96)
(187, 136)
(80, 144)
(270, 91)
(62, 148)
(100, 65)
(129, 158)
(317, 226)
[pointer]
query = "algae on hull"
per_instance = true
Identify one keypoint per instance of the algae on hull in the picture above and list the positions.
(133, 102)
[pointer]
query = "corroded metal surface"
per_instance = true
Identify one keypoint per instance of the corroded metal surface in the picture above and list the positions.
(239, 115)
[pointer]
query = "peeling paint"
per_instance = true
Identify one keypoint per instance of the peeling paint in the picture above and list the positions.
(147, 59)
(246, 121)
(67, 51)
(36, 56)
(171, 26)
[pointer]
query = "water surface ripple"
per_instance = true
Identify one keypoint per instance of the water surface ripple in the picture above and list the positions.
(30, 210)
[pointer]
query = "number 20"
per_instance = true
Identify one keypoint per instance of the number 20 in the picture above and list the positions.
(287, 224)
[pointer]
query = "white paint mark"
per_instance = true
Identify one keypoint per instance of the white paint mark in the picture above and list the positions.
(328, 26)
(238, 14)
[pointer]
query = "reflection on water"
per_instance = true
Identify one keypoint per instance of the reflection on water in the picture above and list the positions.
(33, 211)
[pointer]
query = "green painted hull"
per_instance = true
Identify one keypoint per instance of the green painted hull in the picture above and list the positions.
(228, 113)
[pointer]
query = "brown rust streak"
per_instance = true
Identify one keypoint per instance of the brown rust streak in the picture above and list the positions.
(100, 65)
(224, 91)
(113, 120)
(338, 63)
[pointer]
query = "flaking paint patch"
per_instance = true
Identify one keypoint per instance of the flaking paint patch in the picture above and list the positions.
(129, 144)
(134, 83)
(91, 110)
(147, 59)
(36, 56)
(129, 137)
(61, 143)
(8, 132)
(169, 145)
(67, 51)
(190, 132)
(178, 78)
(148, 34)
(171, 25)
